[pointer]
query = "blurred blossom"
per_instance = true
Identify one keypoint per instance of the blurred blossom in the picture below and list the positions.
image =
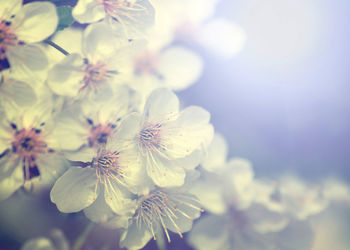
(57, 241)
(336, 190)
(221, 37)
(299, 198)
(173, 67)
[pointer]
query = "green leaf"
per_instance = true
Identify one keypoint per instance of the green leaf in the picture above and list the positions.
(65, 17)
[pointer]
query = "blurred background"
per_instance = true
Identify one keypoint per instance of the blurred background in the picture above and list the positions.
(282, 100)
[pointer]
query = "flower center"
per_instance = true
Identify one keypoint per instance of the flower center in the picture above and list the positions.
(152, 208)
(146, 63)
(7, 38)
(150, 137)
(94, 74)
(99, 134)
(161, 208)
(28, 144)
(106, 165)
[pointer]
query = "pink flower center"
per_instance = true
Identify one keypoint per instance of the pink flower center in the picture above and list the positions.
(146, 63)
(94, 74)
(7, 38)
(28, 144)
(107, 166)
(150, 137)
(99, 134)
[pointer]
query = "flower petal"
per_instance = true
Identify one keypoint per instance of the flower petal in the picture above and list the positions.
(66, 77)
(87, 11)
(99, 211)
(161, 103)
(84, 155)
(209, 233)
(216, 154)
(163, 172)
(69, 132)
(75, 190)
(129, 127)
(135, 237)
(32, 28)
(19, 92)
(13, 180)
(184, 215)
(51, 166)
(179, 67)
(25, 59)
(211, 196)
(9, 8)
(99, 42)
(189, 132)
(117, 197)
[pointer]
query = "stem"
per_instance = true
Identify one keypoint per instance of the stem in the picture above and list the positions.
(60, 49)
(82, 237)
(79, 163)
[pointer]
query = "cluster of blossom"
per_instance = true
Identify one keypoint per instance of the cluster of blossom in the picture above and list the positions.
(89, 112)
(245, 212)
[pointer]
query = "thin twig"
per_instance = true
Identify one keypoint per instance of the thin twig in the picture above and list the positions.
(60, 49)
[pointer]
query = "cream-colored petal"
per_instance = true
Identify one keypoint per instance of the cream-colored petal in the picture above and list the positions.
(32, 28)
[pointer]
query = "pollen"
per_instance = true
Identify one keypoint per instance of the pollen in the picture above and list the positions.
(150, 137)
(107, 166)
(99, 134)
(160, 208)
(7, 38)
(29, 144)
(146, 63)
(95, 74)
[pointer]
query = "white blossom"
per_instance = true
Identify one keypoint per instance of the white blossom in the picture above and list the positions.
(21, 27)
(112, 172)
(166, 138)
(28, 148)
(91, 122)
(173, 67)
(160, 210)
(100, 68)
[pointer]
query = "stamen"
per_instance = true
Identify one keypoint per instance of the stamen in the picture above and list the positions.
(7, 38)
(99, 134)
(150, 137)
(157, 206)
(95, 74)
(28, 144)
